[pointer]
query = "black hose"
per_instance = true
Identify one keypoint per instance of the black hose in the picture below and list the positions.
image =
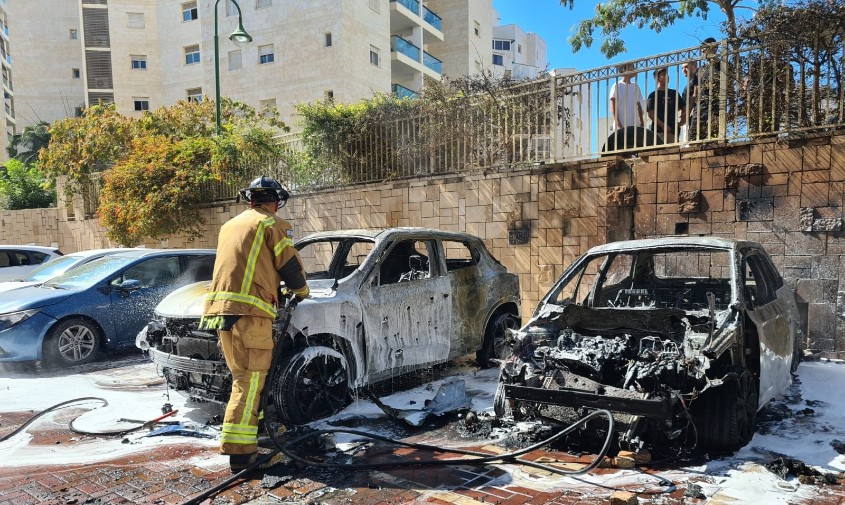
(50, 409)
(480, 458)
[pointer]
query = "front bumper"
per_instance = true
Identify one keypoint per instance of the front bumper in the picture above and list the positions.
(188, 365)
(660, 408)
(23, 342)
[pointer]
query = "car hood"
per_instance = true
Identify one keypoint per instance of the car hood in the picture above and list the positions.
(187, 302)
(10, 285)
(32, 297)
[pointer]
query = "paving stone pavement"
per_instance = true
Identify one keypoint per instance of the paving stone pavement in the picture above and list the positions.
(171, 476)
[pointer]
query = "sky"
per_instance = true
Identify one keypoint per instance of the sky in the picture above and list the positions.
(555, 23)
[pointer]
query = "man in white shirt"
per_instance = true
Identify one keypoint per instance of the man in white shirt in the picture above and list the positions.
(626, 99)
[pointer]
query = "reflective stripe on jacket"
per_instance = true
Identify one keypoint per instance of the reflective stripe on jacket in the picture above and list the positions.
(251, 250)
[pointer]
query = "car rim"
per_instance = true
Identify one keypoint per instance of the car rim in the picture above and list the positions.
(499, 337)
(321, 386)
(747, 400)
(76, 343)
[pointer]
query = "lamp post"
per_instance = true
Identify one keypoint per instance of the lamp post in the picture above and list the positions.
(241, 38)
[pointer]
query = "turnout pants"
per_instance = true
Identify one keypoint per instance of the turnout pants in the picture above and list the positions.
(248, 349)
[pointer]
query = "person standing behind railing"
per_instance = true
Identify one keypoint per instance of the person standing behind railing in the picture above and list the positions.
(690, 70)
(704, 121)
(626, 104)
(664, 104)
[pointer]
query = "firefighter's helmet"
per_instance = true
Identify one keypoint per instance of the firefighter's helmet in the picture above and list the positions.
(265, 190)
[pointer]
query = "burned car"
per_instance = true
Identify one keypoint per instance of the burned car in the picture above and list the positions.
(382, 303)
(683, 339)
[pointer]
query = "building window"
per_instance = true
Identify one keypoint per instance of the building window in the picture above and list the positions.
(77, 111)
(231, 10)
(235, 62)
(477, 29)
(329, 94)
(141, 103)
(328, 39)
(189, 11)
(260, 4)
(139, 62)
(194, 94)
(75, 73)
(135, 20)
(498, 60)
(192, 55)
(74, 34)
(519, 48)
(265, 54)
(375, 5)
(375, 57)
(501, 45)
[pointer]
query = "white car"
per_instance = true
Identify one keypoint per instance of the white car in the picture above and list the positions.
(55, 267)
(17, 260)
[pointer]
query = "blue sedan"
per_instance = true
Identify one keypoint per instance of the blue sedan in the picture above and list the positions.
(100, 305)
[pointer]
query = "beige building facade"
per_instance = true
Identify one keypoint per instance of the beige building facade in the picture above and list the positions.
(144, 54)
(9, 122)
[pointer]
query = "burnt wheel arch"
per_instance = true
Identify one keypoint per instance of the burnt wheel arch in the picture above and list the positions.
(310, 383)
(725, 416)
(492, 347)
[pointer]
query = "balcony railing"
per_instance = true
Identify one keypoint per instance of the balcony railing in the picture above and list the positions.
(401, 45)
(432, 63)
(411, 5)
(432, 18)
(400, 91)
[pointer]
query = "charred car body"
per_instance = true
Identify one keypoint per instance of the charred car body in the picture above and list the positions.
(382, 303)
(684, 339)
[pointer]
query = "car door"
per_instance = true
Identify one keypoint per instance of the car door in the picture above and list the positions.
(470, 296)
(407, 308)
(772, 315)
(133, 303)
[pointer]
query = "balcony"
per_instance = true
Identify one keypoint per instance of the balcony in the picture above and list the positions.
(405, 15)
(402, 92)
(432, 63)
(400, 45)
(432, 19)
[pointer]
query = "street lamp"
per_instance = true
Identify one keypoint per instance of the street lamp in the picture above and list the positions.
(241, 38)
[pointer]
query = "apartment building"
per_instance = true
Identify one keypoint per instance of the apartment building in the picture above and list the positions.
(517, 54)
(144, 54)
(8, 120)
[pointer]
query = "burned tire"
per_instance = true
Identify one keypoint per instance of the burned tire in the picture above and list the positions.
(74, 341)
(725, 416)
(494, 346)
(312, 383)
(501, 405)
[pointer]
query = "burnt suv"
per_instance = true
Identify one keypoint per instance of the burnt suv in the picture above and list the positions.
(382, 303)
(684, 339)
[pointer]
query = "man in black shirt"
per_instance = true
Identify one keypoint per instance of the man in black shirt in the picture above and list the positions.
(664, 105)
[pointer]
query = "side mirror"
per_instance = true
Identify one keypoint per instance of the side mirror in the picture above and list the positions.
(130, 285)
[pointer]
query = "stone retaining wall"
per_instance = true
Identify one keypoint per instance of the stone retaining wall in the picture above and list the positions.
(786, 195)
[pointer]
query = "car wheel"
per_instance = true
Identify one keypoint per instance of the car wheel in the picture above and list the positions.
(310, 384)
(726, 415)
(501, 405)
(494, 346)
(72, 342)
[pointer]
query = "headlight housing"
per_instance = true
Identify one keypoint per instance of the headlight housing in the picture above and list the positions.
(12, 318)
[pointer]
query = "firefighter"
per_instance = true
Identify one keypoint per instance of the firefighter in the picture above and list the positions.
(254, 253)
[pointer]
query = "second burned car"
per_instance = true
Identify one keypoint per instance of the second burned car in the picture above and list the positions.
(684, 339)
(383, 302)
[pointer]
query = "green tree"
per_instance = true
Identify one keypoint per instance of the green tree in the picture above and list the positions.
(613, 16)
(159, 168)
(24, 187)
(26, 146)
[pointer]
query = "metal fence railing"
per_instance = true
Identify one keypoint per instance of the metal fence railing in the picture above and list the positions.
(722, 93)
